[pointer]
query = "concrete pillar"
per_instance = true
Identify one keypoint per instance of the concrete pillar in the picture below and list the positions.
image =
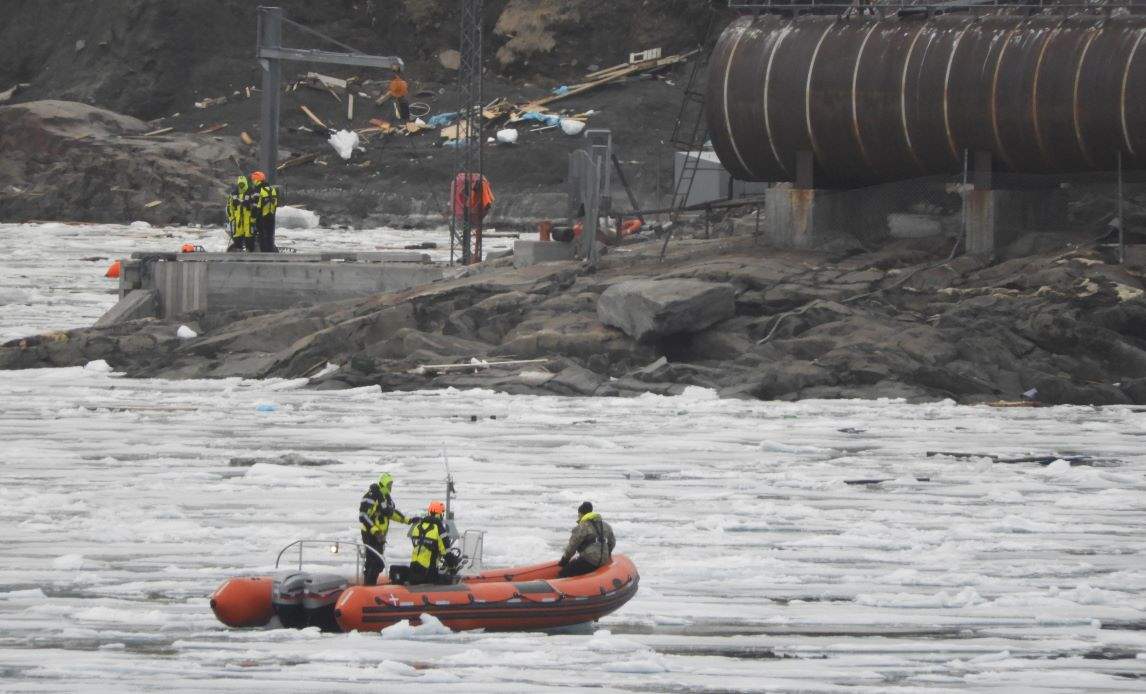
(996, 218)
(802, 217)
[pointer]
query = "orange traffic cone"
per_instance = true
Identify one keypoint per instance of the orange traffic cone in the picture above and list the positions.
(113, 271)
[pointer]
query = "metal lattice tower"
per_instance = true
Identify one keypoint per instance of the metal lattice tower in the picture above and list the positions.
(466, 233)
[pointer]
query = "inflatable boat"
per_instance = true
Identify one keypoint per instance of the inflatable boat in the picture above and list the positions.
(522, 598)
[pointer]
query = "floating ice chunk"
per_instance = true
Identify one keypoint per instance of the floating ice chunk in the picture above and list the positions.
(344, 142)
(640, 665)
(778, 447)
(26, 594)
(14, 296)
(139, 225)
(964, 598)
(603, 641)
(185, 333)
(287, 217)
(698, 393)
(395, 667)
(69, 562)
(1058, 467)
(430, 626)
(97, 366)
(266, 407)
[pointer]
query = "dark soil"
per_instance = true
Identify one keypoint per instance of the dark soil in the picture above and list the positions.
(155, 60)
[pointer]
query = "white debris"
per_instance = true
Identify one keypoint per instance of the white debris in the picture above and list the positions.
(572, 127)
(185, 333)
(344, 142)
(287, 217)
(507, 136)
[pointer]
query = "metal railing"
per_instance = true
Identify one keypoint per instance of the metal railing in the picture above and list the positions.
(333, 547)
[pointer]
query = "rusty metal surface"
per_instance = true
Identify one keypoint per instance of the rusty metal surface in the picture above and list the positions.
(886, 99)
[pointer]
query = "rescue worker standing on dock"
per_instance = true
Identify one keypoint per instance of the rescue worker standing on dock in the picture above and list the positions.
(374, 515)
(239, 220)
(431, 543)
(592, 540)
(264, 204)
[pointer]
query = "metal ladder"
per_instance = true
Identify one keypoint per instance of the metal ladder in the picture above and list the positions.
(688, 132)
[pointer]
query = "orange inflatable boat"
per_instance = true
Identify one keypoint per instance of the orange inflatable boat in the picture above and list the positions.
(514, 599)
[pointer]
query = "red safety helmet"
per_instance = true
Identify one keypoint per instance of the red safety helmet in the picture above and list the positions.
(258, 176)
(436, 508)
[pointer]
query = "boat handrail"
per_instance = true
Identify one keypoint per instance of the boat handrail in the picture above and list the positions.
(334, 546)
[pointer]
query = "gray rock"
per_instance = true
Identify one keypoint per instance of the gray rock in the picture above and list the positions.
(647, 309)
(575, 380)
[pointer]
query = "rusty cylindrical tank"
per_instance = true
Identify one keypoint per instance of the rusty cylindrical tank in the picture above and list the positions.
(879, 100)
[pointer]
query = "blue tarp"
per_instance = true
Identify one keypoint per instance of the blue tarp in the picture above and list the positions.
(442, 119)
(544, 118)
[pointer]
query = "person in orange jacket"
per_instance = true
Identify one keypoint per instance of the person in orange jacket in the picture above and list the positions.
(398, 92)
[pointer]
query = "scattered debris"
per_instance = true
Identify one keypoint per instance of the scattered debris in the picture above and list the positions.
(154, 203)
(15, 89)
(246, 138)
(207, 103)
(296, 161)
(507, 136)
(185, 333)
(313, 118)
(213, 129)
(344, 142)
(161, 131)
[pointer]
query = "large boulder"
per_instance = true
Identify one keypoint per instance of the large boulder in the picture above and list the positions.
(648, 309)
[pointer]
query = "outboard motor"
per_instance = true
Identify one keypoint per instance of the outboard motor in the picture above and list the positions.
(305, 599)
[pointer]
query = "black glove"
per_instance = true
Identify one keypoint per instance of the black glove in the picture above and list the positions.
(413, 520)
(563, 562)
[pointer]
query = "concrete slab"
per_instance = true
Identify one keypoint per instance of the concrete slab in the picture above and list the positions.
(528, 252)
(138, 303)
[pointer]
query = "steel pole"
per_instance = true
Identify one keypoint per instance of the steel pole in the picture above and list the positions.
(270, 36)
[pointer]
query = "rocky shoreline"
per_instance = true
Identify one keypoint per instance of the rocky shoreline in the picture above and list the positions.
(746, 321)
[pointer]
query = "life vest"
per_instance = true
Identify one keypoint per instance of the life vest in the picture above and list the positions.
(375, 512)
(428, 543)
(239, 209)
(268, 200)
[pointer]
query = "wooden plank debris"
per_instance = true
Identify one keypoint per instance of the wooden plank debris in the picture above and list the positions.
(350, 106)
(246, 138)
(161, 131)
(644, 56)
(213, 129)
(297, 161)
(313, 118)
(612, 75)
(154, 203)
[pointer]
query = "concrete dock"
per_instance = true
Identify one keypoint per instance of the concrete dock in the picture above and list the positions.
(170, 285)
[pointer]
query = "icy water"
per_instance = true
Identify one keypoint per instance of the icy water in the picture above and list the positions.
(782, 546)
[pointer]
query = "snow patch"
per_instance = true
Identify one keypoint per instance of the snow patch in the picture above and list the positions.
(185, 333)
(430, 627)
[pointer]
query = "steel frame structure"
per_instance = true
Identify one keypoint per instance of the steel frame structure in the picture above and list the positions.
(270, 52)
(465, 233)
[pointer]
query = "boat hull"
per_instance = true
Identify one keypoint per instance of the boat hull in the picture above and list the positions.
(523, 598)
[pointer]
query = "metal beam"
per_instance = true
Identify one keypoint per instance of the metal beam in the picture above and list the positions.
(307, 55)
(270, 38)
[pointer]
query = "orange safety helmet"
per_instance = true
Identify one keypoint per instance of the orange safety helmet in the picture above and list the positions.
(188, 248)
(258, 176)
(436, 508)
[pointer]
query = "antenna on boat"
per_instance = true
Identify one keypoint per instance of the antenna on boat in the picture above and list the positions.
(449, 493)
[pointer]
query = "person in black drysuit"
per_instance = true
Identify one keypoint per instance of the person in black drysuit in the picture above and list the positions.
(375, 512)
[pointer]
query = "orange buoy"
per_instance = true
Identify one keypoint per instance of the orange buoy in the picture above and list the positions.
(244, 601)
(114, 270)
(188, 248)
